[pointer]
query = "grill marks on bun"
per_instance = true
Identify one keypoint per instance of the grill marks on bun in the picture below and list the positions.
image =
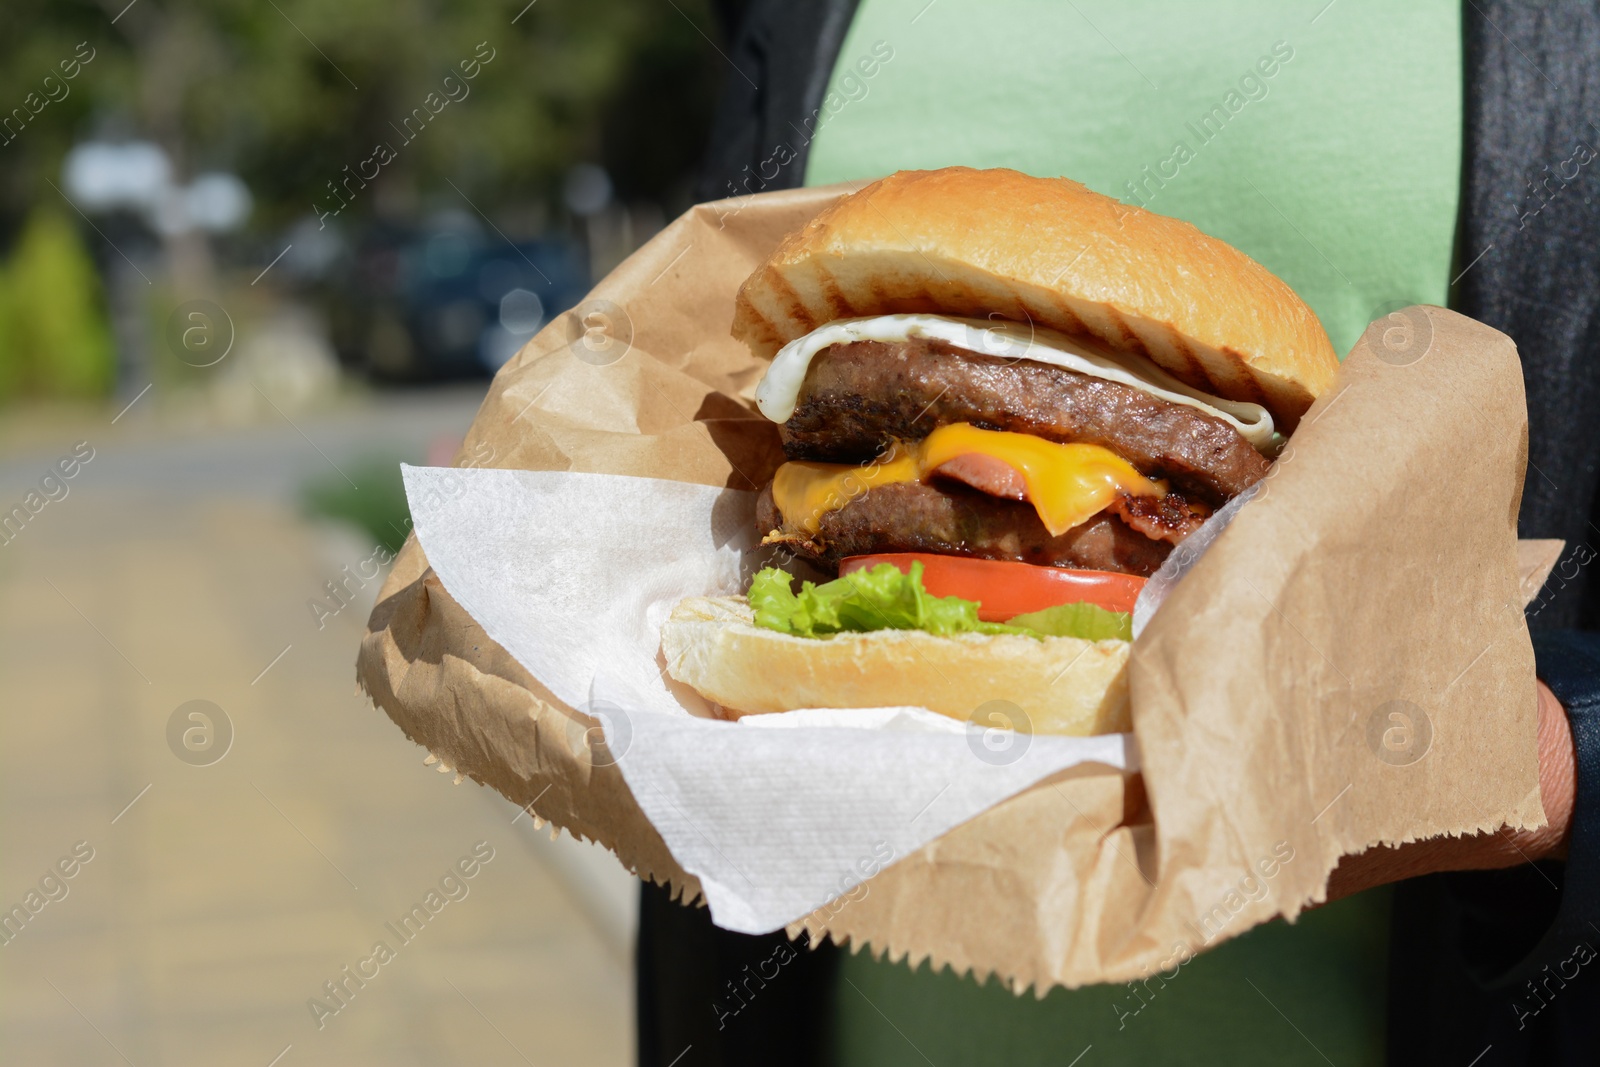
(969, 243)
(899, 311)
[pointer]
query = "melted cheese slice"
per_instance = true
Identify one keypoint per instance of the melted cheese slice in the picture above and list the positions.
(1067, 484)
(779, 390)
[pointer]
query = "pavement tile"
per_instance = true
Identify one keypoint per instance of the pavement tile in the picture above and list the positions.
(219, 903)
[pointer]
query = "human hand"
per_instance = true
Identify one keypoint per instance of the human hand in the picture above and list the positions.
(1383, 864)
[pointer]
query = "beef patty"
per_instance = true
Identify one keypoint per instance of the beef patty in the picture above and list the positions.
(856, 396)
(956, 520)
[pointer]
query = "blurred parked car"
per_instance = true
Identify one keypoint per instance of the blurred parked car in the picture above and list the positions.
(447, 302)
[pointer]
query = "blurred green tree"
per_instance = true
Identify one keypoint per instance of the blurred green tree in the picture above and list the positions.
(290, 92)
(296, 95)
(54, 338)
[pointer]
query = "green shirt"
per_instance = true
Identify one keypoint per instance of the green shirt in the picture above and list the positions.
(1322, 139)
(1328, 150)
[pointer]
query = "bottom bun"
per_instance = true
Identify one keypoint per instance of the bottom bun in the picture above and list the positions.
(1063, 685)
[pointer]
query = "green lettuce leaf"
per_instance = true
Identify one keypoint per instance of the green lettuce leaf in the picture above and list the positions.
(1088, 621)
(885, 598)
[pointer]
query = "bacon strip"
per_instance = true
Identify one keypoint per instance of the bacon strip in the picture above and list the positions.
(1170, 518)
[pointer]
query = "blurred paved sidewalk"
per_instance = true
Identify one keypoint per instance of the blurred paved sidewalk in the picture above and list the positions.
(221, 898)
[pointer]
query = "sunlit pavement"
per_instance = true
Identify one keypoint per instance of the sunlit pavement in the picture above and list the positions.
(210, 905)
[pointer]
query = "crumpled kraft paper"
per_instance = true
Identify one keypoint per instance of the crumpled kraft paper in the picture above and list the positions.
(1346, 665)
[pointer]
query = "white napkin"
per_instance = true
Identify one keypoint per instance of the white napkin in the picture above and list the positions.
(777, 815)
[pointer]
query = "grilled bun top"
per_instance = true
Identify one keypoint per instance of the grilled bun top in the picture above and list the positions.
(967, 242)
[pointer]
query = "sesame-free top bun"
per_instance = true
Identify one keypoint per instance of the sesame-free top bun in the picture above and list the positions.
(970, 242)
(1063, 685)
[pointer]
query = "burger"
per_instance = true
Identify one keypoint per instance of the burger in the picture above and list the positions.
(1003, 400)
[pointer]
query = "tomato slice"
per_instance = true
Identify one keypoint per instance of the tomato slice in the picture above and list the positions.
(1004, 588)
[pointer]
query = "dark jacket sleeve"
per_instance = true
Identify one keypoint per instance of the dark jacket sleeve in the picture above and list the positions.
(781, 58)
(1532, 75)
(1509, 960)
(689, 974)
(1497, 967)
(1569, 663)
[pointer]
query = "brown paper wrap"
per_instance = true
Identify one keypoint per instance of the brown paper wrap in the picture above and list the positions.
(1348, 665)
